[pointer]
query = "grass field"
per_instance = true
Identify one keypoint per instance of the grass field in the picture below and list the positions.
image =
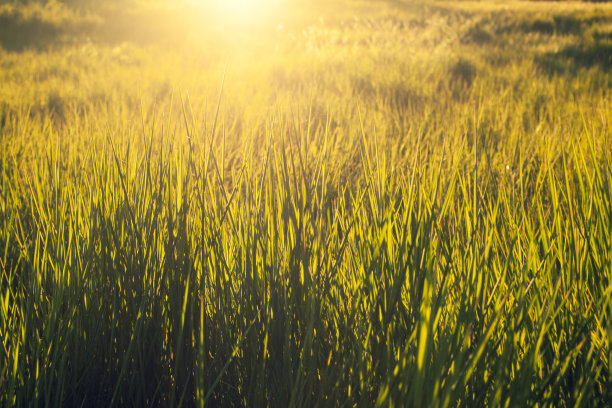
(310, 203)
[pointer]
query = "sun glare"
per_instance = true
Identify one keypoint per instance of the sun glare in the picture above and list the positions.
(239, 11)
(239, 6)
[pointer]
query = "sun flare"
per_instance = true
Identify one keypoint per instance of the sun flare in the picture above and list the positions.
(239, 11)
(239, 6)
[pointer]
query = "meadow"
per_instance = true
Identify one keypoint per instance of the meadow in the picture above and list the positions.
(306, 204)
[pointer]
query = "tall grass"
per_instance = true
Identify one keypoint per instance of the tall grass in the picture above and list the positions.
(388, 228)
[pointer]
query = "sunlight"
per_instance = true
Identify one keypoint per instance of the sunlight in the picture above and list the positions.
(240, 7)
(239, 11)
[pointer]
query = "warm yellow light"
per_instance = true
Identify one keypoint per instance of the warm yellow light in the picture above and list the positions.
(239, 11)
(239, 6)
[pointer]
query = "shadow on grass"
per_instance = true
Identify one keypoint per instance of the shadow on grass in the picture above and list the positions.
(40, 28)
(488, 30)
(574, 57)
(560, 25)
(17, 34)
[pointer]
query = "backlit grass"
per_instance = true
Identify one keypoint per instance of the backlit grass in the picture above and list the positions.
(348, 204)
